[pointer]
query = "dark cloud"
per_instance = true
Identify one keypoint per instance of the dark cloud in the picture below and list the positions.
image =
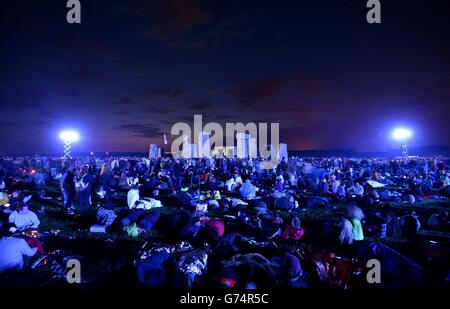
(71, 93)
(159, 110)
(141, 130)
(23, 100)
(224, 117)
(164, 92)
(124, 112)
(201, 105)
(151, 67)
(179, 118)
(38, 123)
(256, 91)
(6, 102)
(171, 19)
(145, 106)
(211, 88)
(75, 44)
(164, 20)
(232, 61)
(8, 124)
(48, 114)
(308, 87)
(126, 101)
(82, 73)
(77, 75)
(32, 123)
(189, 45)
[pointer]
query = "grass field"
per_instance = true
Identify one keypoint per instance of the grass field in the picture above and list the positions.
(115, 244)
(73, 226)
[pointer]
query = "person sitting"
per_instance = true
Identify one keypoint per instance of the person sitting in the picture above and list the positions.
(410, 224)
(285, 203)
(247, 190)
(293, 231)
(212, 184)
(292, 180)
(231, 184)
(23, 218)
(292, 273)
(237, 179)
(184, 198)
(123, 182)
(373, 194)
(15, 200)
(133, 197)
(335, 183)
(346, 235)
(279, 183)
(340, 191)
(271, 225)
(393, 227)
(356, 215)
(439, 221)
(377, 225)
(324, 186)
(191, 228)
(427, 186)
(12, 252)
(356, 189)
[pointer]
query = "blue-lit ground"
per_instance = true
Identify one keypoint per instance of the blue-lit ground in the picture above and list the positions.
(419, 260)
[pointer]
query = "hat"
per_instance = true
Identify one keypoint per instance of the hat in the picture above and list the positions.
(290, 267)
(25, 199)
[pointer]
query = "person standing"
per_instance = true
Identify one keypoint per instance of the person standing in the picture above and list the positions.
(106, 176)
(68, 190)
(84, 188)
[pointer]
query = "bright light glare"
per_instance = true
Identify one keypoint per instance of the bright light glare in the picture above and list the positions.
(69, 136)
(401, 133)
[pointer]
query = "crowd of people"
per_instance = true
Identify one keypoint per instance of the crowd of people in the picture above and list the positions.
(231, 221)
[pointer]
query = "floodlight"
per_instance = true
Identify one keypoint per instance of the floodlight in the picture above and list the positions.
(401, 133)
(68, 137)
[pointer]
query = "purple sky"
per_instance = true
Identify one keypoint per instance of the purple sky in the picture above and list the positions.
(131, 69)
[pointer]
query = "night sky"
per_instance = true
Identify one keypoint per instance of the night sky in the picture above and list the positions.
(133, 68)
